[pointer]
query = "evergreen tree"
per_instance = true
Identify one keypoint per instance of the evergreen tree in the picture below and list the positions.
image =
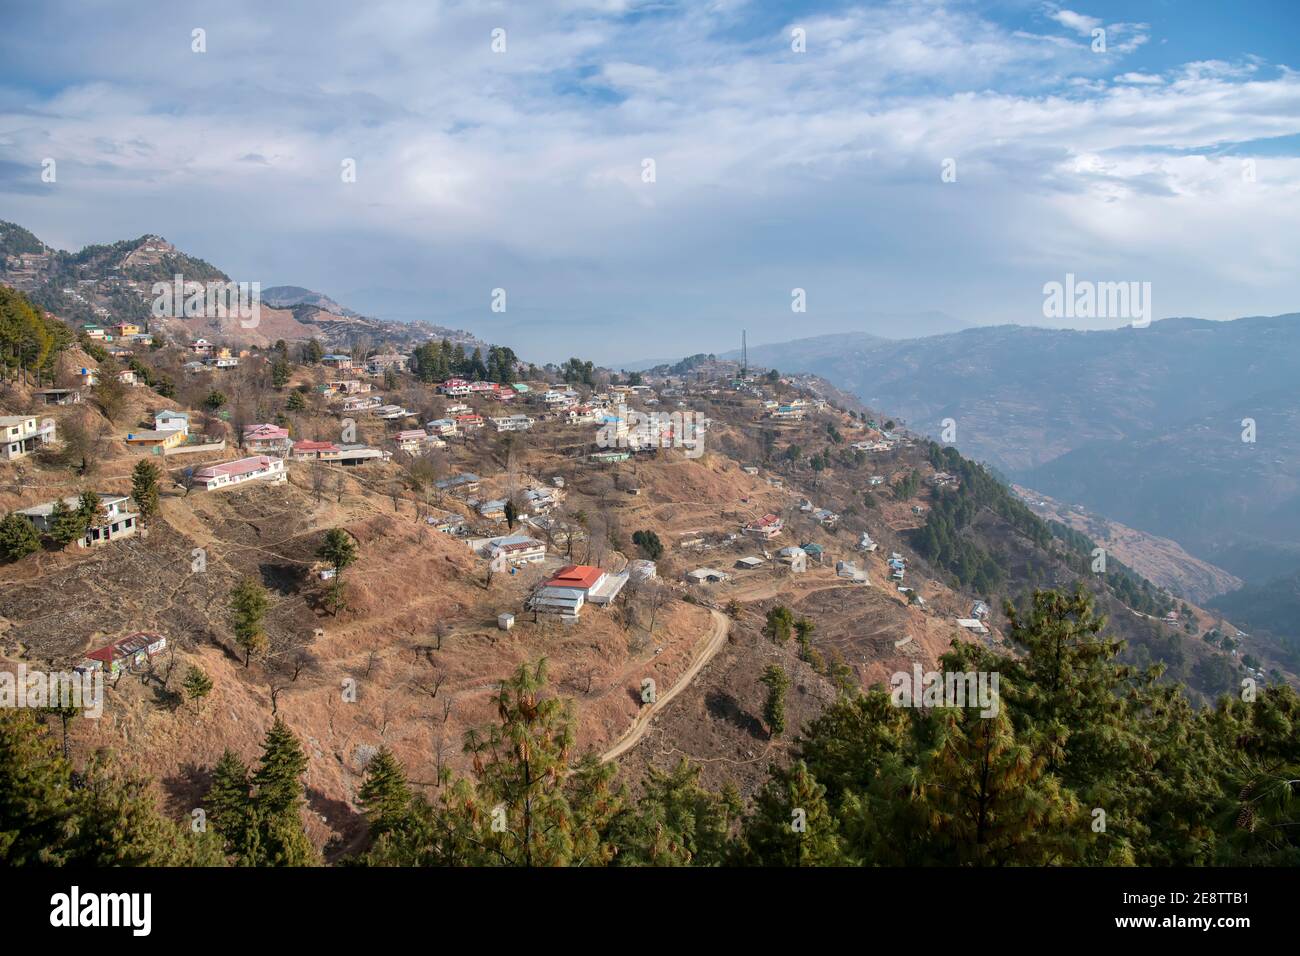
(106, 818)
(774, 677)
(791, 824)
(677, 822)
(277, 801)
(229, 809)
(340, 551)
(144, 487)
(779, 623)
(197, 684)
(384, 797)
(66, 524)
(248, 609)
(17, 538)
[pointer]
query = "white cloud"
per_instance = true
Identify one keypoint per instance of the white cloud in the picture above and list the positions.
(774, 169)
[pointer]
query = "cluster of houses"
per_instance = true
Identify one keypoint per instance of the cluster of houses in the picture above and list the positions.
(208, 356)
(823, 516)
(123, 331)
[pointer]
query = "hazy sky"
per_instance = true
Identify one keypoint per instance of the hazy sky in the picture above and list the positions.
(774, 169)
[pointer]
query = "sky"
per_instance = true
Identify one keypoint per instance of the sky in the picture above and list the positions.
(887, 159)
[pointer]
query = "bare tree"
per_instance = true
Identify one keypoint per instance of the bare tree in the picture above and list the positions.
(317, 479)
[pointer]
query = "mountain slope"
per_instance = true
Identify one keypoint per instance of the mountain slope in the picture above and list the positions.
(113, 282)
(1142, 425)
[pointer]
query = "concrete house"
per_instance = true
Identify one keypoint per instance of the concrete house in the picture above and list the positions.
(574, 585)
(152, 438)
(172, 420)
(513, 423)
(765, 528)
(241, 471)
(465, 483)
(116, 522)
(59, 396)
(518, 549)
(307, 450)
(20, 435)
(131, 653)
(268, 439)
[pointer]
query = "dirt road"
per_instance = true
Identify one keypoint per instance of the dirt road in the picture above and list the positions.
(721, 627)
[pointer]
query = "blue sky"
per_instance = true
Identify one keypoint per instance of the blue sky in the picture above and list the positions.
(774, 169)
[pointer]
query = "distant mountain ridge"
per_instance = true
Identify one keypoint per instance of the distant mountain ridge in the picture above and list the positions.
(1143, 425)
(110, 283)
(288, 296)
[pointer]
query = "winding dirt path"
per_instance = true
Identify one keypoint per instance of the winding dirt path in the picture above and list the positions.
(633, 735)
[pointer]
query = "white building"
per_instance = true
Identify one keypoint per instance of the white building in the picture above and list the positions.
(115, 522)
(20, 435)
(256, 468)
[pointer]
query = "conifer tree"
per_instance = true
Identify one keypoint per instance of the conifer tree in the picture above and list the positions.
(17, 538)
(384, 797)
(248, 609)
(340, 551)
(791, 824)
(197, 684)
(277, 801)
(229, 808)
(66, 524)
(774, 677)
(779, 623)
(677, 822)
(144, 487)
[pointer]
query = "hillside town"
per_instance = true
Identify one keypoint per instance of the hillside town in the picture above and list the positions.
(247, 527)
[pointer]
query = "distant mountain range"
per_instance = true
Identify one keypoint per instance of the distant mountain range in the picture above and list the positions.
(289, 296)
(106, 284)
(872, 328)
(1142, 425)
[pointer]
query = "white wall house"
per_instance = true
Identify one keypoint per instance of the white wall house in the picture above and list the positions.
(20, 435)
(256, 468)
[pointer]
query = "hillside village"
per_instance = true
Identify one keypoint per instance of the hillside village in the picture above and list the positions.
(641, 532)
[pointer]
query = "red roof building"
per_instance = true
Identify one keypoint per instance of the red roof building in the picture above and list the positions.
(580, 576)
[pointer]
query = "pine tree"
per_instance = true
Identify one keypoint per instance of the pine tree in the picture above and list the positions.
(791, 824)
(197, 684)
(340, 551)
(66, 524)
(778, 683)
(677, 822)
(277, 801)
(36, 811)
(988, 798)
(107, 818)
(248, 609)
(384, 796)
(144, 487)
(229, 808)
(17, 538)
(779, 623)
